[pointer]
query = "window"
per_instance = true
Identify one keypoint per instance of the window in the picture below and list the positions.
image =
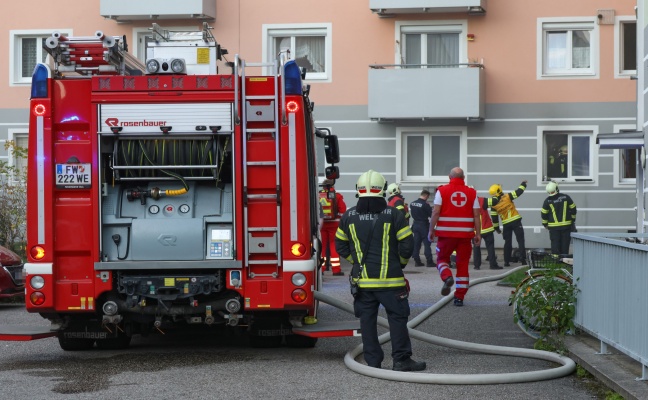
(26, 51)
(625, 161)
(567, 48)
(430, 154)
(16, 147)
(568, 156)
(309, 45)
(423, 46)
(625, 45)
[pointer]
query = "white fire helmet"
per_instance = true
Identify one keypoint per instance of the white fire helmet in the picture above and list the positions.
(552, 187)
(371, 184)
(393, 189)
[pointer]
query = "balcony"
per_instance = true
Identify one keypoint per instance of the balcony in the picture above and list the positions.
(141, 10)
(426, 92)
(387, 8)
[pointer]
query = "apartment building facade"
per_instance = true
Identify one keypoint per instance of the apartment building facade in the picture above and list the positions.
(412, 87)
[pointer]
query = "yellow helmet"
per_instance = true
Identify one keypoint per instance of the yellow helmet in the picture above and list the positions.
(563, 149)
(495, 190)
(371, 184)
(393, 189)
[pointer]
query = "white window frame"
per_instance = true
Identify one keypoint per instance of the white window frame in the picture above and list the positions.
(15, 51)
(619, 181)
(452, 26)
(401, 152)
(572, 23)
(12, 134)
(270, 31)
(618, 47)
(571, 130)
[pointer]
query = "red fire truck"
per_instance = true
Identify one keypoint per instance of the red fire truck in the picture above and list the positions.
(166, 194)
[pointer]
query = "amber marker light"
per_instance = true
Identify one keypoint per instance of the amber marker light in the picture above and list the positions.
(37, 252)
(292, 106)
(37, 298)
(39, 109)
(297, 249)
(299, 295)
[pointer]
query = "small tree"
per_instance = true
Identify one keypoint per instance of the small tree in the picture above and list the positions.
(13, 200)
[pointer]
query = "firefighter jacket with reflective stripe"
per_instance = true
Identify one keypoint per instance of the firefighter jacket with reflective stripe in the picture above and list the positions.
(392, 244)
(486, 220)
(398, 202)
(456, 218)
(558, 211)
(421, 211)
(504, 206)
(333, 205)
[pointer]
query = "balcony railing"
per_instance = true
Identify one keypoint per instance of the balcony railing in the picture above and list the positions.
(387, 8)
(426, 91)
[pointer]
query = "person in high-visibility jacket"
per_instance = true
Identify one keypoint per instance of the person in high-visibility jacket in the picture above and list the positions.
(396, 200)
(455, 221)
(504, 210)
(558, 214)
(333, 206)
(377, 240)
(488, 236)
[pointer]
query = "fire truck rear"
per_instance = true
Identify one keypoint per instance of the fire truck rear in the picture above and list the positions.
(166, 194)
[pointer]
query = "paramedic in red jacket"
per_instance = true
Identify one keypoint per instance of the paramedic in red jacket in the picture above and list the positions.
(333, 206)
(456, 223)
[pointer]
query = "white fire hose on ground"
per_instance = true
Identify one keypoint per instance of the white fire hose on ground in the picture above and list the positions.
(567, 365)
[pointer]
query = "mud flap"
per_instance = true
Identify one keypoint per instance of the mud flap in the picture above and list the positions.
(329, 329)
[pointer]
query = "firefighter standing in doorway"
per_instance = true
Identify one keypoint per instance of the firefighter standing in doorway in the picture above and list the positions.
(559, 216)
(504, 209)
(421, 212)
(396, 200)
(379, 242)
(333, 207)
(558, 163)
(455, 222)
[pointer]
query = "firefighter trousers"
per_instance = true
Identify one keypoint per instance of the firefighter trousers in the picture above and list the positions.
(560, 238)
(420, 231)
(366, 305)
(507, 233)
(489, 239)
(463, 248)
(329, 254)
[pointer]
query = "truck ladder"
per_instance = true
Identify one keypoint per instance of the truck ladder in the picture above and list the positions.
(260, 249)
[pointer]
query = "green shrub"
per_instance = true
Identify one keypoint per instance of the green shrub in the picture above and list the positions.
(13, 201)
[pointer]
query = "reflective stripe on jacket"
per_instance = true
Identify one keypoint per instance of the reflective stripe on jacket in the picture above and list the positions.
(505, 207)
(456, 218)
(558, 211)
(486, 220)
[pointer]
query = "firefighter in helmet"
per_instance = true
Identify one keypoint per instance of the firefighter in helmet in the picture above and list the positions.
(396, 200)
(333, 206)
(558, 163)
(503, 208)
(558, 214)
(379, 242)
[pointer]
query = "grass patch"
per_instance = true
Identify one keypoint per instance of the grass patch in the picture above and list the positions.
(513, 279)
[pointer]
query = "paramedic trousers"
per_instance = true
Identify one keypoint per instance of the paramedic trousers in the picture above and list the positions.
(463, 247)
(507, 233)
(366, 305)
(420, 230)
(560, 238)
(328, 246)
(489, 239)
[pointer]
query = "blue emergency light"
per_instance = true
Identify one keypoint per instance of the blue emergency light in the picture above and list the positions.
(39, 81)
(292, 78)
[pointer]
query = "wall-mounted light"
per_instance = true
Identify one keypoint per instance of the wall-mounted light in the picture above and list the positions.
(470, 37)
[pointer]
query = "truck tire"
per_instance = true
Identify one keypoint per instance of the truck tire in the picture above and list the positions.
(300, 341)
(265, 342)
(120, 342)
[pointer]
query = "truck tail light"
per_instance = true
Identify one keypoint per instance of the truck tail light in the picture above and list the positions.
(37, 298)
(37, 282)
(292, 106)
(299, 295)
(297, 249)
(39, 110)
(37, 252)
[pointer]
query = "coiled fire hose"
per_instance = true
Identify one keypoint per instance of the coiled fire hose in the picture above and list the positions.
(567, 365)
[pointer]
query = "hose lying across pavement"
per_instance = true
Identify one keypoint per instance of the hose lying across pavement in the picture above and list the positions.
(567, 365)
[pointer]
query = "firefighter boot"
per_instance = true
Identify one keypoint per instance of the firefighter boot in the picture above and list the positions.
(418, 263)
(409, 365)
(430, 264)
